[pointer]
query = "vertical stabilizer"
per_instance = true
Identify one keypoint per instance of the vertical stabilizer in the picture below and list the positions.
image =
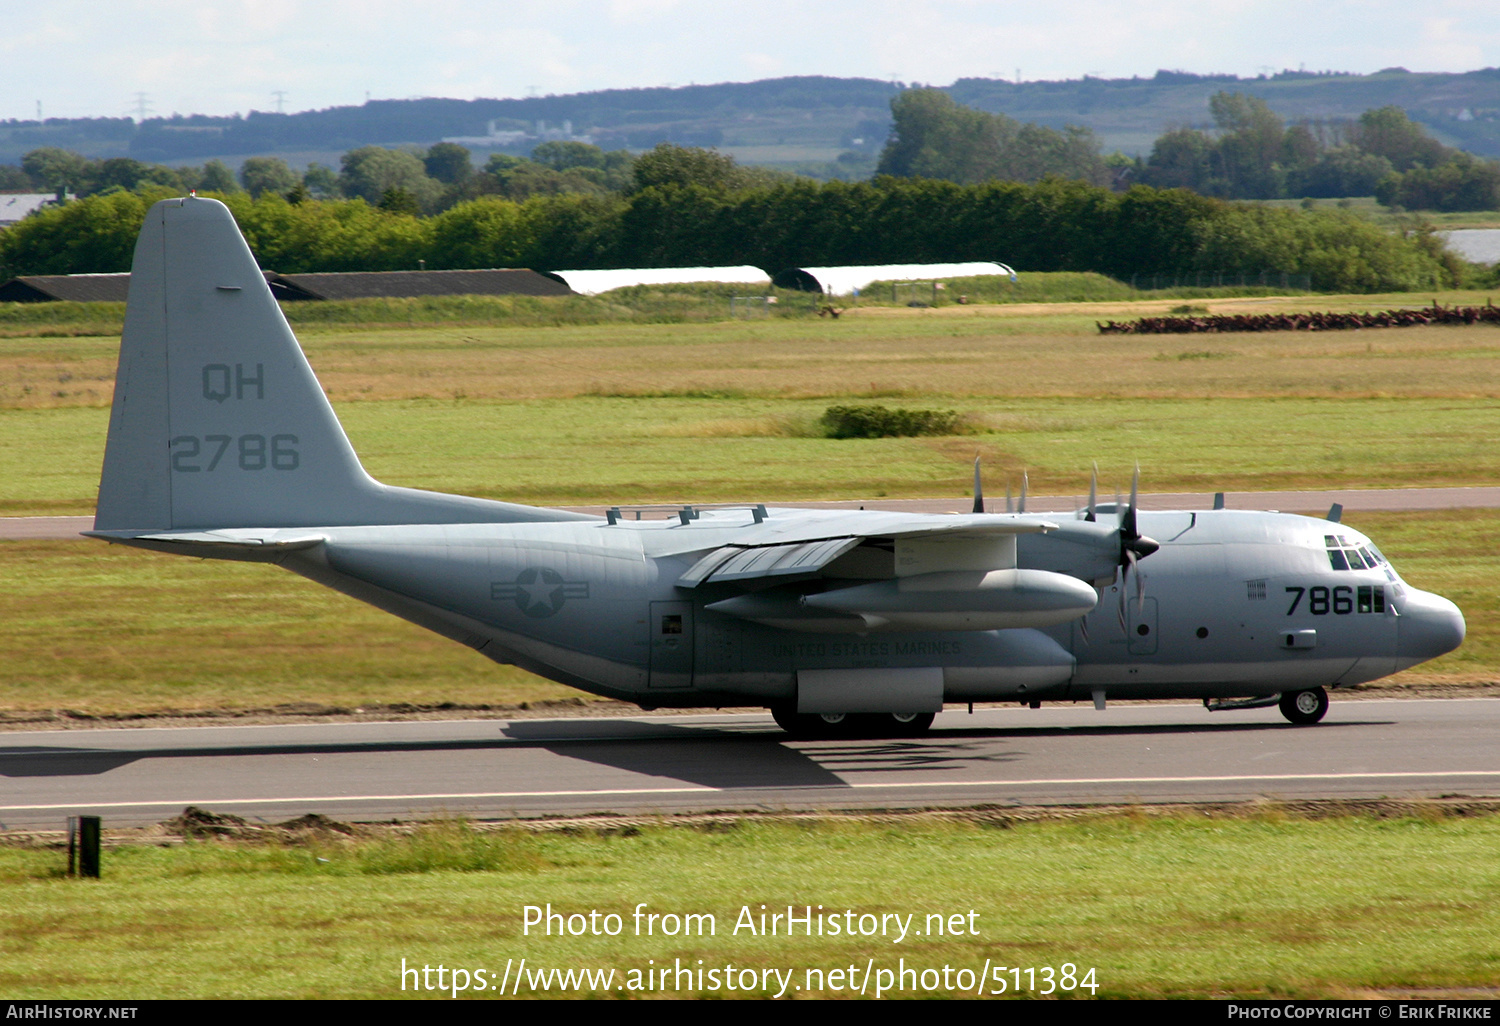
(218, 420)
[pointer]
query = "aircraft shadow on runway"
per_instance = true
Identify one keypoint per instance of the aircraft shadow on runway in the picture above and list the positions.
(733, 759)
(709, 755)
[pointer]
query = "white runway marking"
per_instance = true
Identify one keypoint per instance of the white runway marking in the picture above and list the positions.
(875, 786)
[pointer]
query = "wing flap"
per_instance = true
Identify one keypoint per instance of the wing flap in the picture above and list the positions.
(744, 563)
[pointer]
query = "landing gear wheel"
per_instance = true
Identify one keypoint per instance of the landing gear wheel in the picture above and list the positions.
(1304, 706)
(812, 725)
(907, 724)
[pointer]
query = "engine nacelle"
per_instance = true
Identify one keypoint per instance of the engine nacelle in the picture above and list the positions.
(963, 600)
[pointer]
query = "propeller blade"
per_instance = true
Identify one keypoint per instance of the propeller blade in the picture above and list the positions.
(1008, 508)
(1083, 628)
(978, 489)
(1093, 493)
(1022, 507)
(1127, 523)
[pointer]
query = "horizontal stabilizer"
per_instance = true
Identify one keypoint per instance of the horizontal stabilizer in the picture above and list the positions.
(249, 545)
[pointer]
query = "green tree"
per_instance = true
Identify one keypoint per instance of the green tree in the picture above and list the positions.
(1341, 171)
(933, 136)
(213, 176)
(1180, 159)
(50, 167)
(321, 181)
(519, 179)
(448, 163)
(669, 164)
(1387, 132)
(95, 235)
(260, 175)
(486, 232)
(371, 170)
(1247, 154)
(560, 156)
(1463, 183)
(397, 200)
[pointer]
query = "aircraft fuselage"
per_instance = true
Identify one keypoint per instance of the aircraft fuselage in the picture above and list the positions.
(1234, 604)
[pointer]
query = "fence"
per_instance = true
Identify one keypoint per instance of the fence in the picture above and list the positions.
(750, 306)
(1221, 279)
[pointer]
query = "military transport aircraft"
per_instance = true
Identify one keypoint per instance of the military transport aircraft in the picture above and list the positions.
(222, 444)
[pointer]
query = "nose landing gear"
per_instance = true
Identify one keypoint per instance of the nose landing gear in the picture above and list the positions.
(1303, 707)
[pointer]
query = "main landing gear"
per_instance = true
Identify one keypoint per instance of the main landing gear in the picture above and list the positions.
(840, 725)
(1304, 706)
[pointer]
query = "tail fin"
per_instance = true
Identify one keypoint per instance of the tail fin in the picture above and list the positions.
(218, 420)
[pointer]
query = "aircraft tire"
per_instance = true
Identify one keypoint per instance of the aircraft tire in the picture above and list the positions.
(907, 724)
(812, 725)
(1304, 707)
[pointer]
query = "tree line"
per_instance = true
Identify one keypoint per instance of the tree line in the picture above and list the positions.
(1255, 155)
(1250, 154)
(687, 207)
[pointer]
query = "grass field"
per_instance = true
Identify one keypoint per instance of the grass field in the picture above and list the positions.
(663, 412)
(1264, 905)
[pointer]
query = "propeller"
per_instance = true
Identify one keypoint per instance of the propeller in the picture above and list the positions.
(1093, 493)
(978, 489)
(1134, 547)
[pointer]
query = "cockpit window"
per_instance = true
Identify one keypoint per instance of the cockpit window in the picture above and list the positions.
(1344, 554)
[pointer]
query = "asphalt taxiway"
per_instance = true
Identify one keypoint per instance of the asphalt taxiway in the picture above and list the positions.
(664, 764)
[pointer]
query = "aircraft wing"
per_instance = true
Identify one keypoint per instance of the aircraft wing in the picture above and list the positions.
(921, 544)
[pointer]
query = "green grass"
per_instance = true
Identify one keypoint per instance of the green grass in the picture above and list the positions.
(1265, 906)
(1049, 287)
(108, 631)
(662, 449)
(640, 304)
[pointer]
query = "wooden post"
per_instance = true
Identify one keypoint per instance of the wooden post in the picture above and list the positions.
(88, 846)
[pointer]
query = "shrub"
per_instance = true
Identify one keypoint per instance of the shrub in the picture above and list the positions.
(881, 422)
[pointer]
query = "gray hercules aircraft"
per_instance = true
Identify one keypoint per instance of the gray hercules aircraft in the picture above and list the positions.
(223, 445)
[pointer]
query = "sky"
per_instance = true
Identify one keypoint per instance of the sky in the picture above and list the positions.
(80, 59)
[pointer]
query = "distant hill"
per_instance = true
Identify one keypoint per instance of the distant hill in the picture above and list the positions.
(779, 121)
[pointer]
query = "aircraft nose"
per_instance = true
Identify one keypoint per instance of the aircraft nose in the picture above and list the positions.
(1429, 626)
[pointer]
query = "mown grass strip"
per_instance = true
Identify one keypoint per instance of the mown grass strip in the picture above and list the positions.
(1253, 906)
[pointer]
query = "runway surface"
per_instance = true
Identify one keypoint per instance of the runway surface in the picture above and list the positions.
(1063, 754)
(1394, 499)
